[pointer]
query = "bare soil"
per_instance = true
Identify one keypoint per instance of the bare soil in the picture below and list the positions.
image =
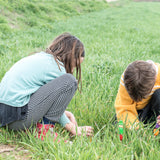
(17, 153)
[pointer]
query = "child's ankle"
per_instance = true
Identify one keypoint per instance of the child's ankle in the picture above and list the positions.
(46, 121)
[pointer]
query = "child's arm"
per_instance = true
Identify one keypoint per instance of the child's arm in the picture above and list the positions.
(126, 107)
(71, 117)
(67, 117)
(68, 121)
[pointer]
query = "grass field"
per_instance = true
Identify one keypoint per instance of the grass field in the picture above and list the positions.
(113, 35)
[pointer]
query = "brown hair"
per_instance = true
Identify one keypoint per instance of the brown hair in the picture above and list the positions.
(139, 79)
(68, 49)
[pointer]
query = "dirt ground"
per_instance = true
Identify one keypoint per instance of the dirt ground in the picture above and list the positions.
(14, 152)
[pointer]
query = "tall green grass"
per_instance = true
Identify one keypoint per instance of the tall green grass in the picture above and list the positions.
(27, 26)
(113, 37)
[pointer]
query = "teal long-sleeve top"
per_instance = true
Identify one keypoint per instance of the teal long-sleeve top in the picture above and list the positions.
(26, 76)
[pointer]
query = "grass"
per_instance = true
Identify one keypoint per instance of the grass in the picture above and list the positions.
(113, 37)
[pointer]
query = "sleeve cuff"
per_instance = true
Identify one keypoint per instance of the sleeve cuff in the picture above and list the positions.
(64, 120)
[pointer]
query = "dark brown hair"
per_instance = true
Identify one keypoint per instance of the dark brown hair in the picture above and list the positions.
(68, 49)
(139, 79)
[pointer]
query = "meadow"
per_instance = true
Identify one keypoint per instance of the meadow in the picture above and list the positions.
(114, 35)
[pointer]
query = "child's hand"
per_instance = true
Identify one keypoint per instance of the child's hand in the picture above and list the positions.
(158, 120)
(71, 117)
(75, 130)
(85, 131)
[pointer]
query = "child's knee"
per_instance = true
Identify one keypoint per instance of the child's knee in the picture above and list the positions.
(70, 80)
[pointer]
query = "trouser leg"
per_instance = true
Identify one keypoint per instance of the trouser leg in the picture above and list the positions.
(152, 109)
(48, 101)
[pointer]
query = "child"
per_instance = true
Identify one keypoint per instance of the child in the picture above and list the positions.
(41, 86)
(138, 97)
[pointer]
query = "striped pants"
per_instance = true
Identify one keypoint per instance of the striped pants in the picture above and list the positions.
(49, 101)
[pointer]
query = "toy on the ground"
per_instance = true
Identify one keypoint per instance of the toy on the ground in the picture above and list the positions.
(120, 126)
(157, 127)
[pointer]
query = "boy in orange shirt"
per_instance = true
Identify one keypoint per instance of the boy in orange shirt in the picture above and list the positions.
(138, 97)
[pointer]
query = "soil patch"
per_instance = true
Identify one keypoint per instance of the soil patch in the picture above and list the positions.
(18, 153)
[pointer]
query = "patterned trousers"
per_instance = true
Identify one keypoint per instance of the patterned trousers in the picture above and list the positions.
(49, 101)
